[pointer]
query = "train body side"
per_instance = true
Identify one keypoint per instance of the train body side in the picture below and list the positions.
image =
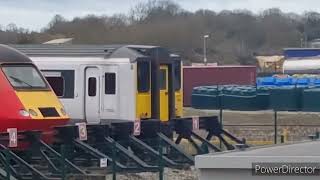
(130, 97)
(128, 82)
(110, 96)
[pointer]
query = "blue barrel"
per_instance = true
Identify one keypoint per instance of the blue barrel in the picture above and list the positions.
(303, 81)
(283, 81)
(267, 81)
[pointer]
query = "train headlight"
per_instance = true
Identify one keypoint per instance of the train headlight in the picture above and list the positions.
(33, 112)
(63, 112)
(24, 113)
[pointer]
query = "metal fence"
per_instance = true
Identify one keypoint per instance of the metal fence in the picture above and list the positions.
(274, 133)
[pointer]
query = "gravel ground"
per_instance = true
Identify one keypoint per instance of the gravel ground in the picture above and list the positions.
(298, 125)
(169, 174)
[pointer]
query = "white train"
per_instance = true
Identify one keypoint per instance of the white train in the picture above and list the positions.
(97, 83)
(306, 65)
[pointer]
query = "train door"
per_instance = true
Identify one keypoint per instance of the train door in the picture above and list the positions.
(110, 94)
(92, 96)
(164, 93)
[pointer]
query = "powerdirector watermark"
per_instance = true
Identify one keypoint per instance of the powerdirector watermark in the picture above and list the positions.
(286, 169)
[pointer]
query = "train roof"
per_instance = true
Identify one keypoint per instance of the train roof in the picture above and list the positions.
(133, 52)
(11, 55)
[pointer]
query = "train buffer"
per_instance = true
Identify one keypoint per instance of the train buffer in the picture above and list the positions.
(100, 145)
(109, 148)
(184, 128)
(154, 141)
(115, 142)
(33, 159)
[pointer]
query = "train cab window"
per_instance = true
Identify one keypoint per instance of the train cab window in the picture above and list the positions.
(24, 77)
(177, 75)
(143, 73)
(110, 83)
(57, 84)
(163, 79)
(92, 86)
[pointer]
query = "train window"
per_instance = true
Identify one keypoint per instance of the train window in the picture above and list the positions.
(64, 88)
(24, 77)
(57, 84)
(177, 75)
(143, 73)
(110, 83)
(92, 86)
(163, 79)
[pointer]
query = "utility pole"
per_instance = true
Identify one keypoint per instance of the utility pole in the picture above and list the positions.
(205, 37)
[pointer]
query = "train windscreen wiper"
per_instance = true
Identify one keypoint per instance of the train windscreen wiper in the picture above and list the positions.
(20, 81)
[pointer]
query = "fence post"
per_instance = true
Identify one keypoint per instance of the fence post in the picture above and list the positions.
(114, 161)
(62, 161)
(275, 127)
(7, 161)
(317, 134)
(221, 122)
(282, 139)
(160, 159)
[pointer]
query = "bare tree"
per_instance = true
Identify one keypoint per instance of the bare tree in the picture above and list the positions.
(236, 36)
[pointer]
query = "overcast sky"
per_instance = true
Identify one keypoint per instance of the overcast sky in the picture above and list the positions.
(35, 14)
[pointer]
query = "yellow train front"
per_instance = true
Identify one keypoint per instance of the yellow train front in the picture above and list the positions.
(159, 81)
(27, 101)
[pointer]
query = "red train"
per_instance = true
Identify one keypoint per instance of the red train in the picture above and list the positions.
(27, 101)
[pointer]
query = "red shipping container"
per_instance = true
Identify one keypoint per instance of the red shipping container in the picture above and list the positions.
(194, 76)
